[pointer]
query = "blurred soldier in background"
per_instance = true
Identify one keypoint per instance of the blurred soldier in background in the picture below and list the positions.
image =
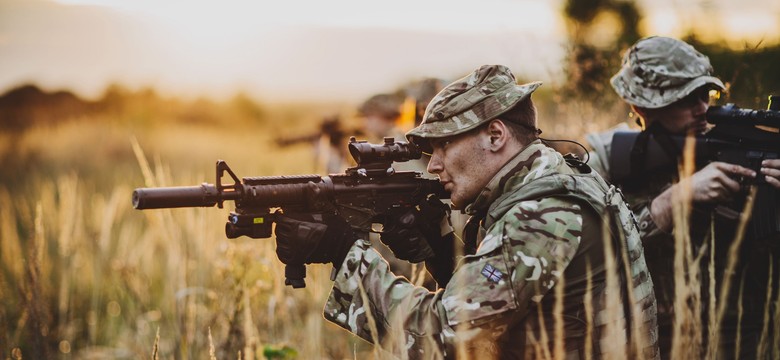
(667, 83)
(329, 144)
(534, 280)
(381, 115)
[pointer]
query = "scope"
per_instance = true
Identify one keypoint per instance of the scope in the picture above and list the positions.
(733, 114)
(390, 151)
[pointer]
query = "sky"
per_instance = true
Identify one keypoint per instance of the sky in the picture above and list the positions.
(308, 49)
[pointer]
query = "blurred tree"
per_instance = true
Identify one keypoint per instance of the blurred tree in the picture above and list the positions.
(751, 73)
(598, 31)
(28, 105)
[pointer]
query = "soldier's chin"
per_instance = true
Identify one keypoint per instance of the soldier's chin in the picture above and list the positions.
(455, 206)
(455, 203)
(458, 203)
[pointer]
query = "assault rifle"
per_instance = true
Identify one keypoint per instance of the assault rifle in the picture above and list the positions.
(363, 195)
(744, 137)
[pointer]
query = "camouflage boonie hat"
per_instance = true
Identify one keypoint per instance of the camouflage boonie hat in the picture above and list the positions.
(483, 95)
(657, 71)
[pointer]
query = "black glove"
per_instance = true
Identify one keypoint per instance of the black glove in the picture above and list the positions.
(414, 235)
(313, 238)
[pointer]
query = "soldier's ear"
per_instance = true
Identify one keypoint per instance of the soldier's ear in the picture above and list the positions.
(498, 133)
(640, 116)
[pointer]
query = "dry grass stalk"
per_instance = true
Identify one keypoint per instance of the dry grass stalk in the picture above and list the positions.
(538, 346)
(762, 343)
(370, 319)
(156, 347)
(687, 337)
(637, 342)
(559, 348)
(69, 210)
(588, 304)
(776, 333)
(740, 312)
(615, 321)
(146, 170)
(212, 351)
(395, 340)
(248, 327)
(731, 264)
(33, 289)
(712, 302)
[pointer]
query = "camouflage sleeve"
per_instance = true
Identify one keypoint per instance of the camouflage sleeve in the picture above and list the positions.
(520, 259)
(368, 300)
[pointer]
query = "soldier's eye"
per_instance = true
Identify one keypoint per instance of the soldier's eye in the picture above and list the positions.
(440, 143)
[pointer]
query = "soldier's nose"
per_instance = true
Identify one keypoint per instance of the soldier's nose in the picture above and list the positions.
(434, 165)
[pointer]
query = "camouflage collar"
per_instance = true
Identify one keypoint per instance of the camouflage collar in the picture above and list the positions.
(534, 161)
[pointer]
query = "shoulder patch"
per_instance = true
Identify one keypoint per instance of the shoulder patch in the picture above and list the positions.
(492, 273)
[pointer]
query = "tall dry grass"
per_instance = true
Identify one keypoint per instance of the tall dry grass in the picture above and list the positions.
(689, 328)
(83, 275)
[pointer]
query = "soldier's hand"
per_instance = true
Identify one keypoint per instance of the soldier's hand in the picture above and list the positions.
(412, 233)
(406, 233)
(312, 238)
(423, 233)
(771, 171)
(718, 182)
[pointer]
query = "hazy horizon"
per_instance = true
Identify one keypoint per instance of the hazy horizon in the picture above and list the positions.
(341, 50)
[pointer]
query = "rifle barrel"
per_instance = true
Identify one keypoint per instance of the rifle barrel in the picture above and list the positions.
(205, 195)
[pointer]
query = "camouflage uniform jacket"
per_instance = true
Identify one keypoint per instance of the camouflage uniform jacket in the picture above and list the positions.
(501, 295)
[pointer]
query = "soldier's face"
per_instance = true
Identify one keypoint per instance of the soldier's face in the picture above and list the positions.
(462, 164)
(687, 115)
(378, 126)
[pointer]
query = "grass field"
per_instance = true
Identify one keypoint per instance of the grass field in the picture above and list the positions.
(84, 276)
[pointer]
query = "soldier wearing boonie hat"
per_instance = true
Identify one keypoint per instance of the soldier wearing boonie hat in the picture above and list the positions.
(658, 71)
(536, 219)
(537, 233)
(667, 84)
(484, 95)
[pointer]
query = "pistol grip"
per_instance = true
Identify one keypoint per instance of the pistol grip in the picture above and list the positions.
(294, 276)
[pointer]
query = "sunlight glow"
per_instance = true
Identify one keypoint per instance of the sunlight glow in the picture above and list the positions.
(663, 22)
(285, 46)
(231, 15)
(750, 25)
(308, 48)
